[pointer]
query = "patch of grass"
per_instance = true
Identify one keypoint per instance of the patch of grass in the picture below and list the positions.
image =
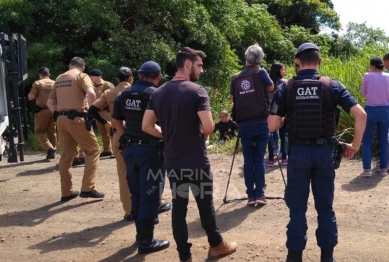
(226, 148)
(34, 145)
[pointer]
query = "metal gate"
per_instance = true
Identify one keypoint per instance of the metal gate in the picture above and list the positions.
(13, 117)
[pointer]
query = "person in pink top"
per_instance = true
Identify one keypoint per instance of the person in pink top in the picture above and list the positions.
(375, 87)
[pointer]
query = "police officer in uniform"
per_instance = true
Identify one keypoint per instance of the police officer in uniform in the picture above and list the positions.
(310, 103)
(106, 100)
(100, 86)
(73, 91)
(143, 155)
(44, 120)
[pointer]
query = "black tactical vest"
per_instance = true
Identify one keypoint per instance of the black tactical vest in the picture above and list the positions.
(251, 98)
(310, 108)
(133, 105)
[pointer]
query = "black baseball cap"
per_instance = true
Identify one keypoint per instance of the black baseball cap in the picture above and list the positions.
(149, 67)
(305, 47)
(96, 72)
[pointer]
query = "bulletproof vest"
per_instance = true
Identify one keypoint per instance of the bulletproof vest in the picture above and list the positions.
(133, 106)
(251, 98)
(310, 108)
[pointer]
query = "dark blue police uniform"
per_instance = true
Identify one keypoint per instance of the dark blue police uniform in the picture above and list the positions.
(143, 156)
(311, 154)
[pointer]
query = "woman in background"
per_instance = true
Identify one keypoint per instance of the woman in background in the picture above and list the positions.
(277, 73)
(375, 87)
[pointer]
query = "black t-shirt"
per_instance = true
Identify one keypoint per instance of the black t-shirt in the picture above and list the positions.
(226, 130)
(176, 104)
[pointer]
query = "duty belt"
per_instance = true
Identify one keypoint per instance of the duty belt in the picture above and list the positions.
(140, 142)
(296, 141)
(37, 109)
(71, 114)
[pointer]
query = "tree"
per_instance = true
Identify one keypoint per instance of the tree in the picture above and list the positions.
(310, 14)
(361, 35)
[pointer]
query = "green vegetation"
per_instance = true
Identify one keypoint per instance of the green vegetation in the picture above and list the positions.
(33, 143)
(109, 34)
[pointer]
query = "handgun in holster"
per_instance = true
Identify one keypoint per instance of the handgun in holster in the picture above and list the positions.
(340, 148)
(88, 121)
(71, 114)
(123, 142)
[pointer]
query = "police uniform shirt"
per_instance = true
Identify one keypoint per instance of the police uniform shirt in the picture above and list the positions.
(107, 99)
(41, 89)
(340, 95)
(100, 88)
(70, 90)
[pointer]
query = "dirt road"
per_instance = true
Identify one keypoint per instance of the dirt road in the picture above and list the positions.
(35, 226)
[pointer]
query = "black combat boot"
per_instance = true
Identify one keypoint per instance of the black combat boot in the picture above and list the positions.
(147, 243)
(327, 255)
(294, 256)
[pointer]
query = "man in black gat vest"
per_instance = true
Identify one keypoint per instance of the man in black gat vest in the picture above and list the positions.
(309, 101)
(143, 155)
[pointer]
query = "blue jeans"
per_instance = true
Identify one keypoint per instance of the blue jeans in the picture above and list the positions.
(377, 116)
(254, 140)
(282, 135)
(270, 145)
(310, 165)
(146, 179)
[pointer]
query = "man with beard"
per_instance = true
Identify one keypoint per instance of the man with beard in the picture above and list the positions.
(182, 110)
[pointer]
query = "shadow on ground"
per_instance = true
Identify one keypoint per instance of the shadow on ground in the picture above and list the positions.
(43, 171)
(123, 255)
(360, 183)
(24, 163)
(30, 218)
(227, 217)
(89, 237)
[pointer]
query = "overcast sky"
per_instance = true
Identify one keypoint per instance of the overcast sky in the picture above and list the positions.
(372, 12)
